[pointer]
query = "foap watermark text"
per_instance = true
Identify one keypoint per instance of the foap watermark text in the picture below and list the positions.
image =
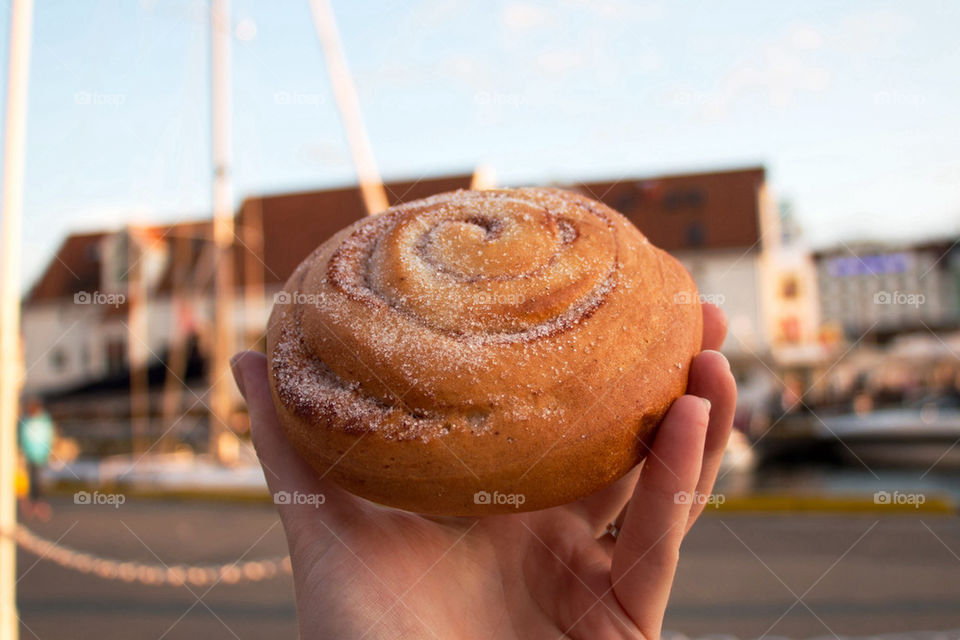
(686, 297)
(99, 297)
(899, 498)
(98, 497)
(899, 298)
(298, 498)
(711, 499)
(513, 499)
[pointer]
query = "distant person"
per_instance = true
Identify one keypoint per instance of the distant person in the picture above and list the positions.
(36, 441)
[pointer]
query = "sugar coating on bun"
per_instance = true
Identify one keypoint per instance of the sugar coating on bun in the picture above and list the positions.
(525, 342)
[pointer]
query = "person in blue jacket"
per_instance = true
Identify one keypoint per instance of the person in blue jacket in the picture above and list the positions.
(36, 441)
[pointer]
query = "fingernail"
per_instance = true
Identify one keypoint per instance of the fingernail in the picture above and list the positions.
(707, 403)
(725, 361)
(237, 373)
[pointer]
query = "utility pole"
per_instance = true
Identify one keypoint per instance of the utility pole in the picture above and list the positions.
(138, 354)
(223, 231)
(484, 177)
(253, 265)
(181, 298)
(371, 187)
(21, 16)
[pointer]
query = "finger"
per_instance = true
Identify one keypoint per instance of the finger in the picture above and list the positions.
(282, 467)
(648, 546)
(710, 378)
(607, 505)
(285, 471)
(714, 326)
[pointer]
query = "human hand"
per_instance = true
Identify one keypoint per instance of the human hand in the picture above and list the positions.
(362, 570)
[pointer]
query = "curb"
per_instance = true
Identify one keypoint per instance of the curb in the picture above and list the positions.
(200, 494)
(937, 503)
(856, 503)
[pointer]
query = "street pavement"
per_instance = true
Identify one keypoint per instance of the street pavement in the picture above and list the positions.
(746, 575)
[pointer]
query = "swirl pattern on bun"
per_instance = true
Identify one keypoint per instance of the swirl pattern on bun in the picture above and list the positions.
(470, 346)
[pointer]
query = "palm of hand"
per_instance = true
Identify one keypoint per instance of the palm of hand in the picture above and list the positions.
(362, 570)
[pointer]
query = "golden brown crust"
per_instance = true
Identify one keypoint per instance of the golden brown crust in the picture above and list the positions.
(515, 342)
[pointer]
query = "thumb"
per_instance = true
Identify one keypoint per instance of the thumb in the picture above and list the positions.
(288, 476)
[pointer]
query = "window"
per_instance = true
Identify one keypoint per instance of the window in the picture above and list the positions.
(790, 288)
(58, 359)
(684, 198)
(790, 329)
(626, 201)
(696, 234)
(116, 357)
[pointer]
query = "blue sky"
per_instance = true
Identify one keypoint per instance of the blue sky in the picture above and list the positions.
(853, 107)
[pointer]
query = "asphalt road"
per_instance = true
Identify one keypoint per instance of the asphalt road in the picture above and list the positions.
(798, 576)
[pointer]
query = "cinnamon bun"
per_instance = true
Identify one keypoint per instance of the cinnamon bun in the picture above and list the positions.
(481, 352)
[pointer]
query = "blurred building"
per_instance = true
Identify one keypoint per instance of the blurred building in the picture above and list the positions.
(76, 318)
(726, 229)
(877, 291)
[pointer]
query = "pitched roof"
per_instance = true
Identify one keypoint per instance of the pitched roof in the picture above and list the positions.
(687, 211)
(715, 210)
(74, 267)
(293, 225)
